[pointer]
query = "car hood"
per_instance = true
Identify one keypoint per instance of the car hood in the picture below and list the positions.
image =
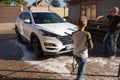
(58, 28)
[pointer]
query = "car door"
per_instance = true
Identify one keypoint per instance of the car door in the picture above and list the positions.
(27, 26)
(20, 23)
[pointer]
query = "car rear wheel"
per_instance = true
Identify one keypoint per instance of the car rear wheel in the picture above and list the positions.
(18, 34)
(36, 47)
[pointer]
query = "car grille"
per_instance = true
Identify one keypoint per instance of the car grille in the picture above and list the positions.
(65, 39)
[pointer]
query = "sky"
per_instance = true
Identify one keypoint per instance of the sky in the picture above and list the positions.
(31, 1)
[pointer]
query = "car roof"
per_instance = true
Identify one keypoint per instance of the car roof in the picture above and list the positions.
(38, 11)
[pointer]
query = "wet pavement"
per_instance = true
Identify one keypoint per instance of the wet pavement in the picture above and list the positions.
(17, 62)
(9, 51)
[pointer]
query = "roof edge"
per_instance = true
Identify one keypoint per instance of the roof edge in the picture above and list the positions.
(73, 1)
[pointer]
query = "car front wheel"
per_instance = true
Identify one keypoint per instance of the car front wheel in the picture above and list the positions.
(36, 47)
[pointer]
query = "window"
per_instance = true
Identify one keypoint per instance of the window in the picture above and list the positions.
(83, 10)
(93, 12)
(89, 10)
(28, 16)
(22, 16)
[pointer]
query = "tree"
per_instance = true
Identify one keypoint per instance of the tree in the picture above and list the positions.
(66, 1)
(55, 3)
(8, 2)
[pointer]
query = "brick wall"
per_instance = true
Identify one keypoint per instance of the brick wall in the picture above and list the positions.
(9, 14)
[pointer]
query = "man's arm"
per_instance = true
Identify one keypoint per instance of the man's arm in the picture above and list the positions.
(100, 17)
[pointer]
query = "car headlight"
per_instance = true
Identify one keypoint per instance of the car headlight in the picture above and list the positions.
(46, 33)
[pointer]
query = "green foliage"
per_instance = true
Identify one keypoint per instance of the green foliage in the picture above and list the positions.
(55, 3)
(64, 0)
(8, 2)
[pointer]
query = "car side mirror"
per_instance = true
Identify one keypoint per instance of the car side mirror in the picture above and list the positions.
(28, 21)
(64, 19)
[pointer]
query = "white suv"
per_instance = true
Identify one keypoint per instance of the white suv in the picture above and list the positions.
(46, 31)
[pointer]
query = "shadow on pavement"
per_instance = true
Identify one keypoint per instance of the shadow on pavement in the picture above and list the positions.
(98, 50)
(101, 75)
(14, 71)
(7, 36)
(33, 72)
(6, 78)
(55, 56)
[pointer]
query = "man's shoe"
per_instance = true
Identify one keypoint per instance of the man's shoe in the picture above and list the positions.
(112, 57)
(105, 54)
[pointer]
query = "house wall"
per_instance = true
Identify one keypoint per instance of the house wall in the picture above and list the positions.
(74, 11)
(103, 7)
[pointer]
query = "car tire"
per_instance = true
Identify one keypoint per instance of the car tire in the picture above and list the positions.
(19, 37)
(36, 47)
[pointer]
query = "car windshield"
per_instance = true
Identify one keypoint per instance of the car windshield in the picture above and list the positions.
(41, 18)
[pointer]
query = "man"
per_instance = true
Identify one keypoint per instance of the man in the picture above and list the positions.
(111, 37)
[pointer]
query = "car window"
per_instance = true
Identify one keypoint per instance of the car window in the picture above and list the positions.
(27, 16)
(55, 18)
(41, 18)
(22, 16)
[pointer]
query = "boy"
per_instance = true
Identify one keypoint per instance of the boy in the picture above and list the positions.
(81, 42)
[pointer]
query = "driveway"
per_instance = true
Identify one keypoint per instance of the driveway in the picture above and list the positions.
(18, 62)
